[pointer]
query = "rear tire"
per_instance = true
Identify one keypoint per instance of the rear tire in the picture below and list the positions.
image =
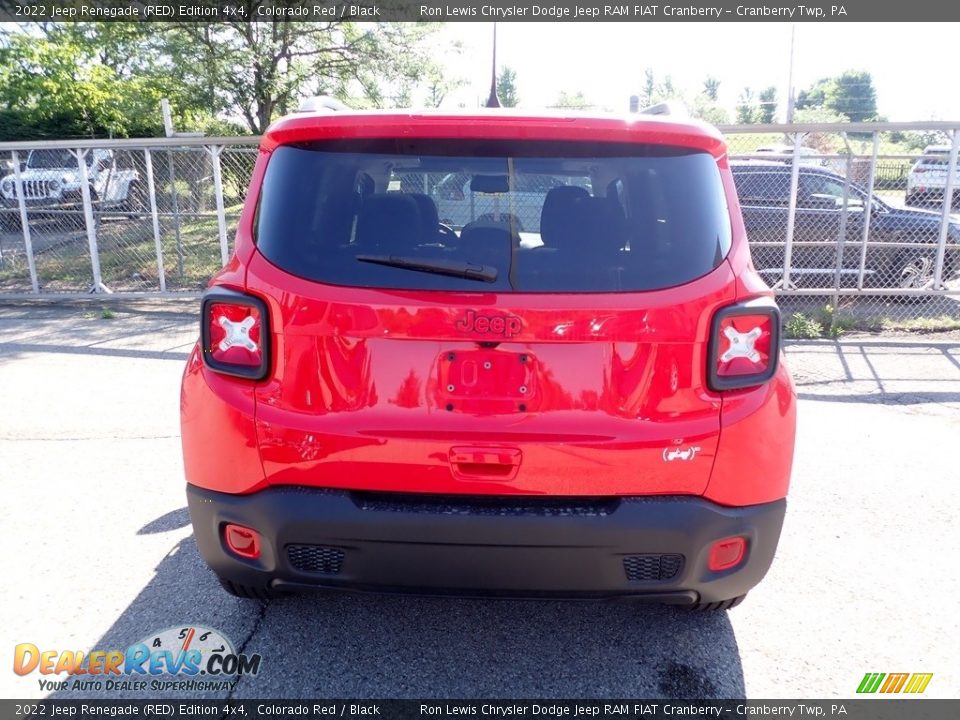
(914, 271)
(249, 592)
(714, 606)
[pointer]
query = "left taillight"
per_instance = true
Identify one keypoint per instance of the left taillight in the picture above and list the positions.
(744, 347)
(234, 333)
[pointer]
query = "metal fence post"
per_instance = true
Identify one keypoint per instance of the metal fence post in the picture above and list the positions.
(98, 285)
(25, 224)
(155, 216)
(842, 230)
(215, 151)
(947, 206)
(868, 210)
(785, 283)
(175, 207)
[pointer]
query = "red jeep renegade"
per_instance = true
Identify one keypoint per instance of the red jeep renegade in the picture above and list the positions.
(490, 354)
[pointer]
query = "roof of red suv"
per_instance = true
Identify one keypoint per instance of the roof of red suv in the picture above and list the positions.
(495, 125)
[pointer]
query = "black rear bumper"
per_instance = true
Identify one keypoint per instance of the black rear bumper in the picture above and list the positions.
(653, 548)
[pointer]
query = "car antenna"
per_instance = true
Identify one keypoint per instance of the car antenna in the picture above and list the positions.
(493, 101)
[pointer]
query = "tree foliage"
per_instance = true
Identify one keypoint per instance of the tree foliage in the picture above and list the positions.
(572, 100)
(850, 94)
(767, 105)
(107, 78)
(747, 108)
(507, 88)
(711, 88)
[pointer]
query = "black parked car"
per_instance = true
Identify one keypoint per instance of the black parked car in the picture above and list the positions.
(764, 192)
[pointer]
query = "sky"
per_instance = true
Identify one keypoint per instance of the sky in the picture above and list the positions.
(912, 64)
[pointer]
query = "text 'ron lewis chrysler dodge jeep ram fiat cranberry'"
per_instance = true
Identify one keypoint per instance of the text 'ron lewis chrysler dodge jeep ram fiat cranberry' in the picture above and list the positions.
(572, 388)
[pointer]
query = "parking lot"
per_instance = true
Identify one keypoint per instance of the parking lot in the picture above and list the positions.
(100, 552)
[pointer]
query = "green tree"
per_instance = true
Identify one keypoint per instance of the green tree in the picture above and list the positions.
(709, 111)
(108, 78)
(747, 108)
(711, 88)
(767, 107)
(507, 88)
(83, 74)
(261, 70)
(572, 101)
(666, 90)
(850, 94)
(649, 88)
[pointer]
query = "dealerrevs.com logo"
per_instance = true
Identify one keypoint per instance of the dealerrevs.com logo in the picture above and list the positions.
(191, 658)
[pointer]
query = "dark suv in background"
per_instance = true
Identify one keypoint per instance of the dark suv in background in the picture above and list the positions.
(764, 192)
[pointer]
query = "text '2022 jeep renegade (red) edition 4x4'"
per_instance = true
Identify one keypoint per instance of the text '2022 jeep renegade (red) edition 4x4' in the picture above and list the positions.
(583, 398)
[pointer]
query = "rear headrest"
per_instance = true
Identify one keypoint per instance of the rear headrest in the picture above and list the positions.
(389, 222)
(429, 216)
(557, 213)
(603, 222)
(488, 242)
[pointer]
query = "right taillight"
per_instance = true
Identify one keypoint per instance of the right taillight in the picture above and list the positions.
(234, 333)
(744, 346)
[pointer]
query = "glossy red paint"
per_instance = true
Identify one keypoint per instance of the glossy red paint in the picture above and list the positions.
(504, 125)
(614, 398)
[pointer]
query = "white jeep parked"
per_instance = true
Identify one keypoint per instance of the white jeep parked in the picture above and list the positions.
(51, 180)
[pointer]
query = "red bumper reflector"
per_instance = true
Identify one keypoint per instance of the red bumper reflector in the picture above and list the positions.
(727, 553)
(242, 541)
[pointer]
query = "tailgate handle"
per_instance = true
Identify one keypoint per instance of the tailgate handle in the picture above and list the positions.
(485, 462)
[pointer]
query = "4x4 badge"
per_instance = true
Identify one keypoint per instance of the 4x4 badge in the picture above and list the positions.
(671, 454)
(506, 325)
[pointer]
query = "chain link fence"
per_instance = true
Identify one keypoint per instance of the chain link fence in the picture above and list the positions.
(124, 216)
(853, 221)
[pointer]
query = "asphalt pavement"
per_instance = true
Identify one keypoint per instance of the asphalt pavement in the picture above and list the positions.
(99, 552)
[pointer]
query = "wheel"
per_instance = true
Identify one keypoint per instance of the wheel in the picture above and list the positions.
(911, 198)
(914, 271)
(248, 591)
(722, 605)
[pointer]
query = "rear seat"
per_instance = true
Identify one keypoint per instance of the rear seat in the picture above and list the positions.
(582, 241)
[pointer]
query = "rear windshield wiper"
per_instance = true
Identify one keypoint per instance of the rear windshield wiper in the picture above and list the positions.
(453, 268)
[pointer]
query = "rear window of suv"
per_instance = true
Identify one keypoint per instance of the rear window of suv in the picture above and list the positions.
(505, 216)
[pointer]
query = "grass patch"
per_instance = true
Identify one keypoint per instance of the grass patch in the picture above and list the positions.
(127, 255)
(800, 326)
(829, 322)
(107, 314)
(942, 323)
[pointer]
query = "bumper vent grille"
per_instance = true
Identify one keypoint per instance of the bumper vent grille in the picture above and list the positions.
(315, 559)
(645, 568)
(486, 505)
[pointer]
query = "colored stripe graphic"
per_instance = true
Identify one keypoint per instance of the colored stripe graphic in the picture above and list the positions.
(870, 682)
(894, 682)
(918, 683)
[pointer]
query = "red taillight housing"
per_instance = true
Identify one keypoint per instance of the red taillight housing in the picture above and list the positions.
(234, 333)
(744, 347)
(242, 541)
(727, 553)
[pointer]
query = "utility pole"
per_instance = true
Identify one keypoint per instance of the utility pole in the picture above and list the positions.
(493, 101)
(790, 94)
